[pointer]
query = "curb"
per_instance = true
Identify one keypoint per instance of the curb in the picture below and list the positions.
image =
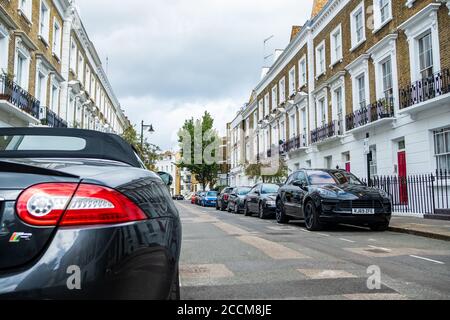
(425, 234)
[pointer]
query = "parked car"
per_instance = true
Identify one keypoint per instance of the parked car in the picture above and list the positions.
(209, 199)
(199, 198)
(324, 196)
(222, 199)
(178, 197)
(237, 199)
(261, 200)
(78, 202)
(194, 198)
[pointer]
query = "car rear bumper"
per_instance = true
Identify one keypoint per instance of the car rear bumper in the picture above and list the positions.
(133, 261)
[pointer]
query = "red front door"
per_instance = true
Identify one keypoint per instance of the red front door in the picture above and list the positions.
(347, 167)
(403, 185)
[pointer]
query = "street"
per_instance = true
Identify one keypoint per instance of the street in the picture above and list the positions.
(226, 256)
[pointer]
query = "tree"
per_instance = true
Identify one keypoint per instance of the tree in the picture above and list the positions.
(148, 153)
(265, 170)
(199, 144)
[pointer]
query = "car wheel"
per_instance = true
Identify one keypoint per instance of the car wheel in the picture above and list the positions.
(222, 207)
(262, 214)
(381, 227)
(281, 213)
(247, 212)
(217, 206)
(311, 217)
(229, 208)
(175, 293)
(236, 208)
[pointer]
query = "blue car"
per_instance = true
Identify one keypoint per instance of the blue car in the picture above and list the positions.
(209, 199)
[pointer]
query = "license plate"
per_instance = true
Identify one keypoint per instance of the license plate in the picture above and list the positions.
(363, 211)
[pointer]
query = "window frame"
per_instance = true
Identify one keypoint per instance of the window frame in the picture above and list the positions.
(57, 39)
(321, 55)
(444, 132)
(302, 72)
(336, 57)
(44, 35)
(360, 8)
(292, 82)
(379, 23)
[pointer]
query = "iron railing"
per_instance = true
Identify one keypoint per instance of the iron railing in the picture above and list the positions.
(425, 89)
(327, 131)
(383, 108)
(416, 194)
(294, 143)
(53, 120)
(19, 97)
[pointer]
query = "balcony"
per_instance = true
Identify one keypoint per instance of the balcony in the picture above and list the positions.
(425, 93)
(371, 115)
(295, 143)
(52, 120)
(17, 101)
(327, 132)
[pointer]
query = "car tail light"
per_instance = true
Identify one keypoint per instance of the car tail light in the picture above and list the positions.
(67, 204)
(225, 197)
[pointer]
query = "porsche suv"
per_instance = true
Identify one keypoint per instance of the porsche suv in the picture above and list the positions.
(323, 197)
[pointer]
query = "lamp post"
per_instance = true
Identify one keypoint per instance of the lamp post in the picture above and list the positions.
(150, 129)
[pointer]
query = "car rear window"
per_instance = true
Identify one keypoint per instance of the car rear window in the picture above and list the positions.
(41, 143)
(212, 194)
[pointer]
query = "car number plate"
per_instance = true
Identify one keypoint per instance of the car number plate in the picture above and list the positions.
(363, 211)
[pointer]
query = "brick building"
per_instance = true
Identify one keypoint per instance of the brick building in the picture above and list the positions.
(51, 72)
(363, 85)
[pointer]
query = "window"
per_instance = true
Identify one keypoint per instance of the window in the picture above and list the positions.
(44, 21)
(321, 113)
(373, 168)
(293, 125)
(328, 162)
(73, 55)
(22, 69)
(282, 131)
(255, 121)
(385, 10)
(292, 88)
(386, 69)
(282, 90)
(302, 72)
(25, 7)
(320, 59)
(266, 105)
(55, 97)
(442, 148)
(426, 55)
(304, 122)
(56, 39)
(336, 45)
(358, 26)
(41, 88)
(274, 97)
(4, 50)
(80, 67)
(261, 109)
(361, 82)
(338, 103)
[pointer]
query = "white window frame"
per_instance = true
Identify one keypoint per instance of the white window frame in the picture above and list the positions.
(266, 104)
(321, 95)
(260, 110)
(356, 69)
(446, 153)
(321, 54)
(73, 55)
(57, 39)
(81, 67)
(44, 23)
(424, 21)
(4, 49)
(336, 57)
(355, 42)
(292, 116)
(274, 97)
(27, 10)
(338, 84)
(22, 52)
(282, 90)
(302, 70)
(42, 95)
(292, 87)
(55, 106)
(377, 17)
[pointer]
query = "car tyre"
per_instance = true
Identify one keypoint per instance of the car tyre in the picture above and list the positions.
(380, 227)
(312, 217)
(261, 213)
(247, 212)
(236, 208)
(281, 216)
(175, 292)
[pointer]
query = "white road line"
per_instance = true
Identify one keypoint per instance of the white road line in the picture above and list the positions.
(323, 234)
(346, 240)
(426, 259)
(380, 248)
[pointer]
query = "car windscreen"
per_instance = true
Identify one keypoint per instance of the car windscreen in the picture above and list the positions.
(41, 143)
(270, 188)
(211, 194)
(324, 178)
(243, 191)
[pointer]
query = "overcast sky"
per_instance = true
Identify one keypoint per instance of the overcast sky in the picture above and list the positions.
(173, 59)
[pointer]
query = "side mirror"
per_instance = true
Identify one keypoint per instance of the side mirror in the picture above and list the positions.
(257, 192)
(300, 184)
(166, 178)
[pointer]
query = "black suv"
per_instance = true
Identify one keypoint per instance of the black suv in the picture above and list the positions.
(324, 196)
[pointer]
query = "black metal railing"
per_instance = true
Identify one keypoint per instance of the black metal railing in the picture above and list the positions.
(295, 143)
(53, 120)
(383, 108)
(421, 194)
(327, 131)
(19, 97)
(425, 89)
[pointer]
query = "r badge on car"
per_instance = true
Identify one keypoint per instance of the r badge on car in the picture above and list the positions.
(18, 236)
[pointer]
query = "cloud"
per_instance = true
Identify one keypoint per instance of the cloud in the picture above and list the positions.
(179, 57)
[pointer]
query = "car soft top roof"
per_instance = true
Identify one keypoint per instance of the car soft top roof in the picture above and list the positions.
(99, 145)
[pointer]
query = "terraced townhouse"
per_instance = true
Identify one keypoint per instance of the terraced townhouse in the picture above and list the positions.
(362, 86)
(51, 73)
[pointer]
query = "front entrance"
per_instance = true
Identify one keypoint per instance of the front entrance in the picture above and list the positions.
(402, 176)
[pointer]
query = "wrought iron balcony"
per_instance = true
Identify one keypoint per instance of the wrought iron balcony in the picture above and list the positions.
(382, 109)
(52, 120)
(330, 130)
(425, 89)
(19, 97)
(294, 143)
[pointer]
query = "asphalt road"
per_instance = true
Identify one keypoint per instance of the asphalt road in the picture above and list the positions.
(227, 256)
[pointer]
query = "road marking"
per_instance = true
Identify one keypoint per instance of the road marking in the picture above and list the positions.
(380, 248)
(323, 234)
(375, 296)
(209, 271)
(426, 259)
(326, 274)
(274, 250)
(346, 240)
(230, 229)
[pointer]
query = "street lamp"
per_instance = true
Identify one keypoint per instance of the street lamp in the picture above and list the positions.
(150, 129)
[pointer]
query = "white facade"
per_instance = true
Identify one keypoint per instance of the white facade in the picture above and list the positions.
(166, 163)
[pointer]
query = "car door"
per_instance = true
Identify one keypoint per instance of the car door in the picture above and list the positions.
(253, 198)
(299, 195)
(287, 194)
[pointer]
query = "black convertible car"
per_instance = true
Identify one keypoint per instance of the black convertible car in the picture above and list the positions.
(80, 218)
(323, 197)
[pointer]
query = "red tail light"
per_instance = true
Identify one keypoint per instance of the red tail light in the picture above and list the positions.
(66, 205)
(225, 197)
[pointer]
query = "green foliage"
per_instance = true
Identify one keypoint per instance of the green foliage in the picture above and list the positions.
(199, 144)
(148, 152)
(256, 171)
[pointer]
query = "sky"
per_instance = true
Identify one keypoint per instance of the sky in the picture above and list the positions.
(170, 60)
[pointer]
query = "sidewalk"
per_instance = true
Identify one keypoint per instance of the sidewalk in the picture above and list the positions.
(435, 229)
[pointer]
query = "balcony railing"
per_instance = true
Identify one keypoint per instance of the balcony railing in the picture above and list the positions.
(382, 109)
(52, 120)
(425, 89)
(19, 97)
(294, 143)
(327, 131)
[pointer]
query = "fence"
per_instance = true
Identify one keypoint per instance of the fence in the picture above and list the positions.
(416, 194)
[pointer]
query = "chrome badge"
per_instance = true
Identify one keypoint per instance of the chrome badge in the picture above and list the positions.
(18, 236)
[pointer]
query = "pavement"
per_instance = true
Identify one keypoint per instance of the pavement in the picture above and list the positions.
(435, 229)
(227, 257)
